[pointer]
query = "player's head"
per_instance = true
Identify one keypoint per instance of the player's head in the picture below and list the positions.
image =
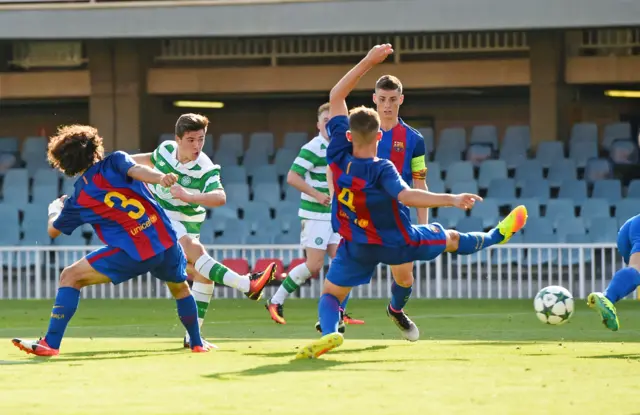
(190, 132)
(388, 97)
(364, 127)
(323, 118)
(75, 148)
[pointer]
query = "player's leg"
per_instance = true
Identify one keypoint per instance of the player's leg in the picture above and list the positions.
(72, 279)
(400, 292)
(624, 280)
(345, 318)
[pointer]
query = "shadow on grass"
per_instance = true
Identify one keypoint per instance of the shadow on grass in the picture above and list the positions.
(92, 356)
(624, 356)
(337, 352)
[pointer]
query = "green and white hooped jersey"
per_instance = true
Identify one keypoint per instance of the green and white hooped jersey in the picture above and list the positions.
(311, 164)
(199, 176)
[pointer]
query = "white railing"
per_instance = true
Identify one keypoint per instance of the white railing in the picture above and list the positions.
(506, 271)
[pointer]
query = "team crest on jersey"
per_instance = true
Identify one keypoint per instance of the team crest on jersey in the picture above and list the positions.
(185, 181)
(363, 223)
(434, 229)
(398, 146)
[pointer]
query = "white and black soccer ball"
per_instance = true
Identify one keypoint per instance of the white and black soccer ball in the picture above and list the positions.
(553, 305)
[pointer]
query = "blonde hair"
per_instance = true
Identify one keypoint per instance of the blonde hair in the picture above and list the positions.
(364, 124)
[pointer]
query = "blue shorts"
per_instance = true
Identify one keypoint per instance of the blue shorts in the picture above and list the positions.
(355, 263)
(629, 238)
(169, 266)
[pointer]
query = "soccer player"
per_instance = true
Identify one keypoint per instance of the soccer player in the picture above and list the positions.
(308, 174)
(111, 196)
(367, 211)
(199, 187)
(624, 280)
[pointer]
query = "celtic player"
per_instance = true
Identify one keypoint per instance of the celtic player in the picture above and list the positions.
(198, 187)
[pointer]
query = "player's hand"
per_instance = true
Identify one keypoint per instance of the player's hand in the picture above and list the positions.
(169, 180)
(180, 193)
(379, 53)
(323, 199)
(55, 207)
(465, 201)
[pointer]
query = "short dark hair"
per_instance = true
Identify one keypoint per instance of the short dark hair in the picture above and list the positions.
(191, 122)
(364, 123)
(389, 83)
(322, 108)
(75, 148)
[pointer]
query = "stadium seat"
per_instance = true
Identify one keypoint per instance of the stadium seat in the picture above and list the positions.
(513, 152)
(447, 156)
(536, 188)
(9, 145)
(227, 211)
(585, 131)
(602, 225)
(44, 194)
(7, 162)
(237, 193)
(260, 238)
(291, 194)
(262, 141)
(9, 213)
(540, 256)
(286, 239)
(549, 152)
(569, 224)
(287, 209)
(295, 140)
(528, 170)
(561, 170)
(559, 208)
(35, 145)
(265, 173)
(225, 157)
(255, 159)
(10, 235)
(610, 189)
(256, 212)
(478, 153)
(238, 265)
(615, 131)
(627, 208)
(268, 193)
(451, 215)
(595, 208)
(598, 169)
(538, 226)
(489, 170)
(458, 172)
(262, 264)
(433, 171)
(35, 234)
(623, 152)
(572, 255)
(436, 186)
(633, 191)
(233, 174)
(232, 143)
(454, 139)
(15, 187)
(230, 238)
(207, 148)
(503, 191)
(532, 205)
(427, 134)
(575, 190)
(470, 224)
(466, 186)
(518, 133)
(68, 186)
(485, 134)
(581, 152)
(283, 161)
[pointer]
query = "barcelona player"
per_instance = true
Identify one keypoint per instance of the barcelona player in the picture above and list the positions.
(111, 195)
(624, 280)
(367, 212)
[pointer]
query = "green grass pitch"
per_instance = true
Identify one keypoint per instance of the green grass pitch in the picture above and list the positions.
(474, 357)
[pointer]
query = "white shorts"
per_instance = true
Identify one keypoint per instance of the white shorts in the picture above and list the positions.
(318, 234)
(182, 231)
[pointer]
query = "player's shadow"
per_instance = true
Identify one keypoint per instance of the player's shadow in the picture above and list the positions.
(346, 351)
(94, 356)
(623, 356)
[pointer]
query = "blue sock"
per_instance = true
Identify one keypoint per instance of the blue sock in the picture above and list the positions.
(472, 242)
(329, 312)
(399, 296)
(188, 313)
(623, 283)
(64, 308)
(343, 304)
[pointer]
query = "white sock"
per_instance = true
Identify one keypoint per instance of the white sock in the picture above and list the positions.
(295, 279)
(202, 293)
(216, 272)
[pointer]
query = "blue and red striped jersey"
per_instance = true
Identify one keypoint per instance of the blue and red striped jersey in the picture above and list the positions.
(121, 210)
(404, 147)
(365, 206)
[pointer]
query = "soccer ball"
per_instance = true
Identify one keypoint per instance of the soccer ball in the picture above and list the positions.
(553, 305)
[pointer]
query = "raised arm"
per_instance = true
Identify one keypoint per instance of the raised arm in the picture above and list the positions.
(148, 175)
(424, 199)
(143, 158)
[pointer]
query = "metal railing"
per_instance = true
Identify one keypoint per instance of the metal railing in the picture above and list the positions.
(506, 271)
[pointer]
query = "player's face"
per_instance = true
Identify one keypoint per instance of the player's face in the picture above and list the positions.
(388, 103)
(190, 145)
(323, 119)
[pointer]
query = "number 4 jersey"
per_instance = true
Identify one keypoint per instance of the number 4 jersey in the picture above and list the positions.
(121, 210)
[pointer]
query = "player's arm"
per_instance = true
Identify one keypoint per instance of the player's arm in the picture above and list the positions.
(212, 196)
(146, 174)
(330, 181)
(295, 177)
(63, 218)
(143, 158)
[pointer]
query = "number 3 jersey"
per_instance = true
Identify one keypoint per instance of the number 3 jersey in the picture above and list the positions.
(121, 210)
(365, 208)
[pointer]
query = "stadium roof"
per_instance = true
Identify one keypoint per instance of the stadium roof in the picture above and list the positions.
(147, 19)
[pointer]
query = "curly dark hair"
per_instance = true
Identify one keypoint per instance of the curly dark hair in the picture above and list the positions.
(75, 148)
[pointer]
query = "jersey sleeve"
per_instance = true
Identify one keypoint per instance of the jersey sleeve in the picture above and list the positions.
(390, 179)
(418, 162)
(337, 128)
(122, 162)
(212, 180)
(69, 219)
(305, 161)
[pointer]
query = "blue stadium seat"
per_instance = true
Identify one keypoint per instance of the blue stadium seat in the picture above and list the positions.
(623, 152)
(549, 152)
(598, 169)
(294, 140)
(595, 208)
(284, 159)
(485, 134)
(569, 225)
(503, 191)
(232, 143)
(427, 134)
(603, 228)
(561, 170)
(15, 187)
(259, 239)
(43, 194)
(225, 157)
(559, 208)
(451, 215)
(230, 239)
(286, 239)
(265, 173)
(532, 205)
(536, 188)
(221, 224)
(36, 145)
(572, 255)
(10, 236)
(627, 208)
(585, 131)
(489, 170)
(466, 186)
(7, 162)
(575, 190)
(291, 194)
(540, 256)
(237, 193)
(581, 152)
(610, 189)
(292, 226)
(513, 152)
(478, 153)
(447, 156)
(207, 148)
(233, 174)
(487, 211)
(520, 133)
(528, 170)
(262, 141)
(256, 212)
(452, 139)
(433, 171)
(35, 234)
(537, 226)
(458, 172)
(222, 214)
(287, 209)
(254, 159)
(268, 193)
(9, 145)
(633, 191)
(9, 213)
(615, 131)
(436, 186)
